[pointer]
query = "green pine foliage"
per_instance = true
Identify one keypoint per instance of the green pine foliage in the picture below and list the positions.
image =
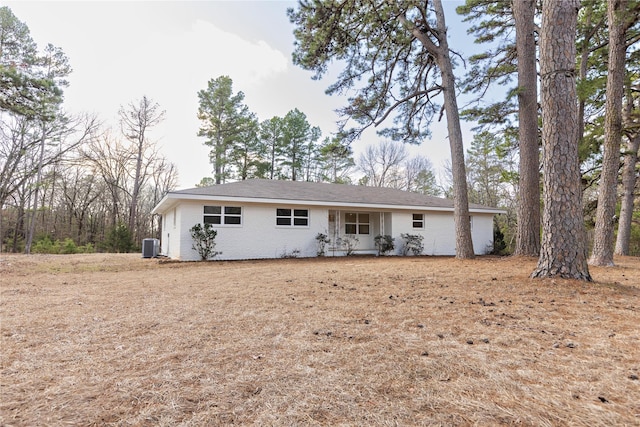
(383, 63)
(45, 245)
(119, 239)
(30, 83)
(224, 118)
(298, 147)
(493, 68)
(499, 244)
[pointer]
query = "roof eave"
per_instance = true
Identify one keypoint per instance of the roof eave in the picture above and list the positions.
(171, 198)
(165, 204)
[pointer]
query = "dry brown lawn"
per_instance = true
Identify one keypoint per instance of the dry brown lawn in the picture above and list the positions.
(117, 340)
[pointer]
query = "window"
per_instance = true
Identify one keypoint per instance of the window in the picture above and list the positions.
(292, 217)
(471, 222)
(227, 215)
(356, 223)
(418, 220)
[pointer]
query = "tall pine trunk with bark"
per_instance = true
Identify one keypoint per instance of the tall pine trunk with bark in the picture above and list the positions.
(607, 189)
(464, 242)
(528, 228)
(628, 195)
(631, 154)
(563, 252)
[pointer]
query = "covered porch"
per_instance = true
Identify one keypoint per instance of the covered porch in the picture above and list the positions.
(353, 232)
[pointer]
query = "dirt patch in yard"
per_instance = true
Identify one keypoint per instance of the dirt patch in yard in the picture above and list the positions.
(120, 340)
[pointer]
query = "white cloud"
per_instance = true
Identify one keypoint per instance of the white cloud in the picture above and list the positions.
(213, 52)
(170, 68)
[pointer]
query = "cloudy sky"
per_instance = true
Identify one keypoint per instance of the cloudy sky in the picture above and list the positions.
(168, 50)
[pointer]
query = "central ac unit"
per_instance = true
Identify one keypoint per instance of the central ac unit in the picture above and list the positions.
(150, 248)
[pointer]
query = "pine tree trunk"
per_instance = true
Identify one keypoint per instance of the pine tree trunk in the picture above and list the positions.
(628, 196)
(563, 251)
(528, 228)
(216, 157)
(464, 243)
(273, 160)
(607, 189)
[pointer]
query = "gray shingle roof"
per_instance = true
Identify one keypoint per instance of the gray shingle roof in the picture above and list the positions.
(321, 192)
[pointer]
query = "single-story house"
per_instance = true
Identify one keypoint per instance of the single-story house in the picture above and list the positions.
(260, 218)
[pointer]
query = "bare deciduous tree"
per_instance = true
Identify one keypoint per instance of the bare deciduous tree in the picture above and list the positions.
(136, 121)
(380, 162)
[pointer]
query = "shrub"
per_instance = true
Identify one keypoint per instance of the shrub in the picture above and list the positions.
(322, 241)
(295, 253)
(44, 245)
(412, 243)
(499, 245)
(349, 243)
(204, 241)
(89, 248)
(67, 247)
(384, 244)
(119, 239)
(9, 245)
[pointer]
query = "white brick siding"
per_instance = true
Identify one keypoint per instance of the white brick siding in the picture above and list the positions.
(257, 237)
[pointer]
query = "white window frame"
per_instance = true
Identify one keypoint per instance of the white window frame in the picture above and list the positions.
(358, 223)
(226, 216)
(292, 216)
(419, 221)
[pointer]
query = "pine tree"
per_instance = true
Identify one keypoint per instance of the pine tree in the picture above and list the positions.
(396, 60)
(563, 252)
(222, 114)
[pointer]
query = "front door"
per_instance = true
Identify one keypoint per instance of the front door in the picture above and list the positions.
(357, 229)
